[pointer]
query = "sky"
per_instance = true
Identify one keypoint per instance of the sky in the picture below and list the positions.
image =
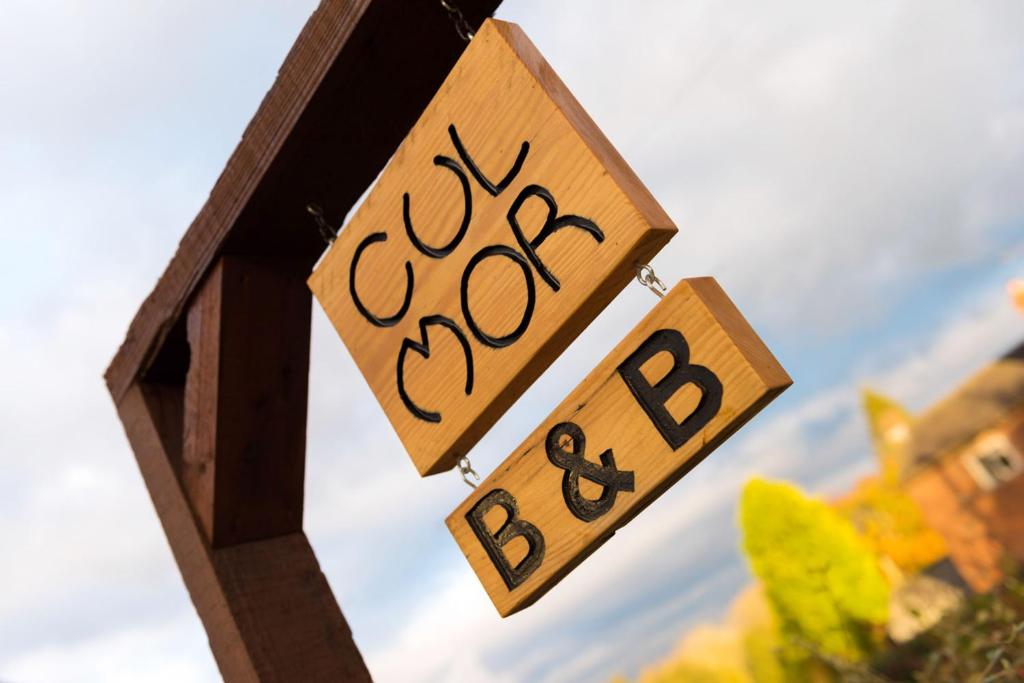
(851, 174)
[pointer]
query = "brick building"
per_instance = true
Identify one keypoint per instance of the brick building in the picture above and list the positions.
(963, 465)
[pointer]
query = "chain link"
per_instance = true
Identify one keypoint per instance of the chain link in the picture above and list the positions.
(466, 468)
(645, 276)
(462, 26)
(326, 231)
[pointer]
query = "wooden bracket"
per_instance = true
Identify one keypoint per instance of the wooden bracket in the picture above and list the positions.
(244, 445)
(211, 380)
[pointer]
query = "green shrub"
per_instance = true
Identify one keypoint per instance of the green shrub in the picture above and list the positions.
(820, 578)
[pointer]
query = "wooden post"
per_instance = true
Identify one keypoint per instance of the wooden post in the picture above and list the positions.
(245, 402)
(211, 387)
(267, 608)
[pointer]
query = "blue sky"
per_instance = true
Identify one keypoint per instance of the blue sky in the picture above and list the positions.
(850, 173)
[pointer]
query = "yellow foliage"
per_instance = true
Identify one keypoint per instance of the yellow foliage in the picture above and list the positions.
(707, 653)
(821, 564)
(889, 424)
(822, 581)
(745, 648)
(752, 617)
(688, 672)
(892, 524)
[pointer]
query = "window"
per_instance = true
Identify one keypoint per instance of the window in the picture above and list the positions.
(993, 461)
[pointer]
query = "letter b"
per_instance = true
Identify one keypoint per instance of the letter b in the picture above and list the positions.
(495, 543)
(652, 398)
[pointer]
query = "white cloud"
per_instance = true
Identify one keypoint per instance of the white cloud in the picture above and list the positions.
(690, 521)
(989, 327)
(816, 156)
(156, 653)
(820, 160)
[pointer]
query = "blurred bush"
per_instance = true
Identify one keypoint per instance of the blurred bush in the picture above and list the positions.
(821, 579)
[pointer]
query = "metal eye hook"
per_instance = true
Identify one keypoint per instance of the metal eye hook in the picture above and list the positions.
(645, 276)
(466, 468)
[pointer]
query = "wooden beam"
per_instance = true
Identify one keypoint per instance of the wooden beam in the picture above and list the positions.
(355, 81)
(353, 84)
(266, 606)
(245, 402)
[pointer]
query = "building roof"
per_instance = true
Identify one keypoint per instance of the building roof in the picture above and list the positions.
(978, 404)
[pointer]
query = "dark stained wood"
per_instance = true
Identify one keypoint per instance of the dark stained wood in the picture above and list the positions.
(355, 81)
(245, 402)
(166, 402)
(267, 608)
(286, 613)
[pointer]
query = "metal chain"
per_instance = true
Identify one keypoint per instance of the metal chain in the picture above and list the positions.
(645, 276)
(462, 26)
(328, 232)
(465, 468)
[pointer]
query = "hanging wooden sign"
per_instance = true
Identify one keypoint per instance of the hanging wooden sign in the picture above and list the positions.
(687, 377)
(504, 223)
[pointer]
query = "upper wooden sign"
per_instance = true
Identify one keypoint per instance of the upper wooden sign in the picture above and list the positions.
(687, 377)
(504, 223)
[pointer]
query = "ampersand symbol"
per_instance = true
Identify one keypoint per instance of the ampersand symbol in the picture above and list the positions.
(575, 465)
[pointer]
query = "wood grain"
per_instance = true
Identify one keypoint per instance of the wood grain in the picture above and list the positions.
(356, 79)
(500, 97)
(612, 417)
(266, 606)
(245, 402)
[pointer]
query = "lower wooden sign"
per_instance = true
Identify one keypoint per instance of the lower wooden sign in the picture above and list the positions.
(687, 377)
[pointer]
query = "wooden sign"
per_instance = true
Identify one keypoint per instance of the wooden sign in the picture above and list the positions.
(504, 223)
(687, 377)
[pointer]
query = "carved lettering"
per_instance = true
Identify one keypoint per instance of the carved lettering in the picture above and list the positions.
(423, 348)
(576, 465)
(652, 398)
(552, 224)
(467, 213)
(492, 189)
(386, 321)
(512, 527)
(531, 296)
